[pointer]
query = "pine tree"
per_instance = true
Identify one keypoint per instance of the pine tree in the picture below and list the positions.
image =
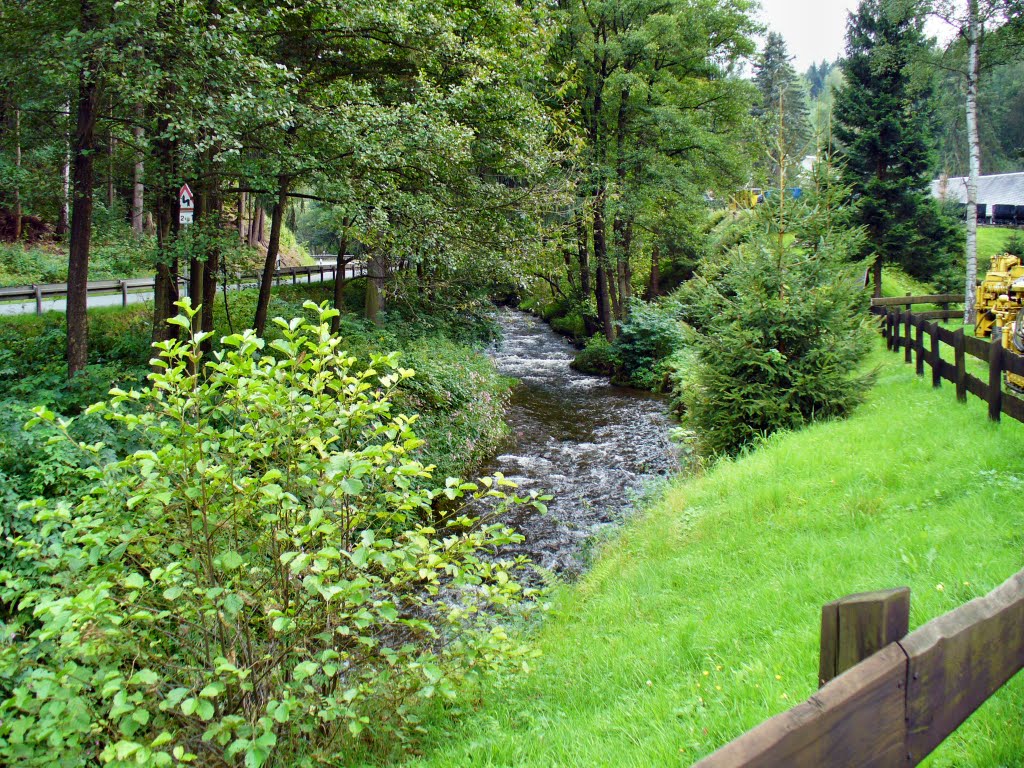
(780, 88)
(883, 114)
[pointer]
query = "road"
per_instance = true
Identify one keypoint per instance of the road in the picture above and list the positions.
(115, 299)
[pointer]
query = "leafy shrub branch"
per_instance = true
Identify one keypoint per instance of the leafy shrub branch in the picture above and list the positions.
(269, 582)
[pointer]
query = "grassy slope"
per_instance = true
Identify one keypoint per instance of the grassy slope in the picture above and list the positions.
(702, 618)
(991, 240)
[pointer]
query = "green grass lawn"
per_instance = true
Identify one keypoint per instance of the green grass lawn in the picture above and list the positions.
(701, 619)
(992, 240)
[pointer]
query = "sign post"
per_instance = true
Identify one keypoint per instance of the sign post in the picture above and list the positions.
(186, 205)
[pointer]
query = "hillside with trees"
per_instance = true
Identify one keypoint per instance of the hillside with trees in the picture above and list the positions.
(241, 522)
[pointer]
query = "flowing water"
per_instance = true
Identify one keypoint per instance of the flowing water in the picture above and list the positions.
(592, 445)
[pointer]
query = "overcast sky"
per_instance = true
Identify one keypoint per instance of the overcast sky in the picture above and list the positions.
(814, 29)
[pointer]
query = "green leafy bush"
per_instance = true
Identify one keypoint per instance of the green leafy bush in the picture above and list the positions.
(645, 341)
(269, 581)
(599, 356)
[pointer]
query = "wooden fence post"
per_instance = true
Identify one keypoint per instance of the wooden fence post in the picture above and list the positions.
(887, 325)
(936, 358)
(857, 626)
(124, 293)
(919, 349)
(39, 299)
(961, 368)
(995, 375)
(908, 340)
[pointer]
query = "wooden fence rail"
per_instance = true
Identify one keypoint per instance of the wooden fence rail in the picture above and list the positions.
(909, 331)
(895, 706)
(41, 292)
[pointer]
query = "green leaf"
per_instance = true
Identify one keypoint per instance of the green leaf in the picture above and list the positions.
(231, 561)
(135, 582)
(303, 670)
(205, 709)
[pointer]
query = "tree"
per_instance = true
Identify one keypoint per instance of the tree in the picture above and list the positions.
(783, 108)
(781, 327)
(817, 76)
(655, 114)
(883, 114)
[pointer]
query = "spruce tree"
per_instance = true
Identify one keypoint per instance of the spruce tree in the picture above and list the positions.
(780, 88)
(883, 114)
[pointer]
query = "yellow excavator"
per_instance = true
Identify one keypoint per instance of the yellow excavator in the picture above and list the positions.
(999, 307)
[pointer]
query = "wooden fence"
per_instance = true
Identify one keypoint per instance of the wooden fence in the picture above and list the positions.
(941, 299)
(889, 698)
(41, 292)
(921, 339)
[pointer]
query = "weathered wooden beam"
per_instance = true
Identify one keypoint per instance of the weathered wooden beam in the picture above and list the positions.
(957, 661)
(855, 720)
(961, 367)
(919, 348)
(856, 626)
(901, 301)
(995, 376)
(908, 320)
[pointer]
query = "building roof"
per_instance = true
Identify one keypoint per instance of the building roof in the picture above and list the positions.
(997, 189)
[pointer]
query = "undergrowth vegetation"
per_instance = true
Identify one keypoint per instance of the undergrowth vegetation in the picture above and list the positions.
(456, 392)
(265, 575)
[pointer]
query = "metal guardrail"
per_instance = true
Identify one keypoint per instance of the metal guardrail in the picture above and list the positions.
(48, 291)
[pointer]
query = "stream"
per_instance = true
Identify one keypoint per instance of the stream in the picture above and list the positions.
(594, 446)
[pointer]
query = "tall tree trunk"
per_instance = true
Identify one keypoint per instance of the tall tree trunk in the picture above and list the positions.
(604, 307)
(196, 265)
(622, 228)
(623, 233)
(653, 287)
(253, 237)
(81, 212)
(242, 231)
(64, 212)
(165, 290)
(583, 254)
(974, 161)
(215, 208)
(273, 247)
(374, 288)
(17, 166)
(110, 167)
(339, 280)
(876, 268)
(138, 187)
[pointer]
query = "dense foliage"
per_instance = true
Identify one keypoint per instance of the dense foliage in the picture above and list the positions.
(782, 112)
(883, 125)
(781, 327)
(457, 393)
(266, 580)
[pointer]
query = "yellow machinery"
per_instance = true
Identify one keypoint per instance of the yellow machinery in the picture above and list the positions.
(746, 198)
(999, 307)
